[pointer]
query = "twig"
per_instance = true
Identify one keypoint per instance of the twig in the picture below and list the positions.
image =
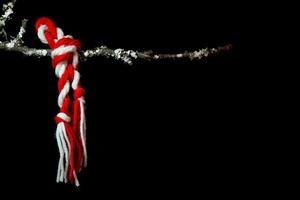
(17, 41)
(22, 31)
(7, 46)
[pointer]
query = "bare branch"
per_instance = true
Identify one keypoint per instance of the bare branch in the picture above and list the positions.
(8, 46)
(127, 56)
(22, 31)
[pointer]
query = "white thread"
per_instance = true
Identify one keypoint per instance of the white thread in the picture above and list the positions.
(76, 180)
(41, 33)
(63, 50)
(83, 130)
(60, 68)
(64, 117)
(60, 33)
(63, 93)
(69, 153)
(60, 169)
(61, 154)
(66, 148)
(63, 166)
(75, 60)
(75, 80)
(68, 36)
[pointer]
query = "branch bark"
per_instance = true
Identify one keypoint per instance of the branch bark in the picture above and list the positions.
(127, 56)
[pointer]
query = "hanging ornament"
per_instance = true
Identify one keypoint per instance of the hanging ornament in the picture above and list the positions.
(71, 125)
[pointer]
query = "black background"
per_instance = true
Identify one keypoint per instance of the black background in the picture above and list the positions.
(155, 129)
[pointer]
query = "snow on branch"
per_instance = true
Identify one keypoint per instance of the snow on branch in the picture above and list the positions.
(127, 56)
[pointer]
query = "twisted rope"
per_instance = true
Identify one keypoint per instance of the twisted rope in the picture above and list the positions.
(71, 127)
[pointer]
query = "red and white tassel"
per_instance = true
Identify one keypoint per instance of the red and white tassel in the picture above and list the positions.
(71, 125)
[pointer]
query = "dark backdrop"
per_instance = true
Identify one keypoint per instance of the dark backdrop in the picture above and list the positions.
(159, 129)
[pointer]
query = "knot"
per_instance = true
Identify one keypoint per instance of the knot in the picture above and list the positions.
(68, 41)
(65, 49)
(62, 117)
(78, 92)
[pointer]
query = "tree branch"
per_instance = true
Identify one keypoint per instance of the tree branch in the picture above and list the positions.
(127, 56)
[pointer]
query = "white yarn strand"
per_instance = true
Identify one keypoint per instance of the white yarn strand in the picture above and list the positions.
(66, 148)
(75, 80)
(60, 33)
(83, 130)
(75, 59)
(64, 116)
(76, 179)
(63, 167)
(60, 68)
(63, 93)
(41, 33)
(63, 50)
(61, 154)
